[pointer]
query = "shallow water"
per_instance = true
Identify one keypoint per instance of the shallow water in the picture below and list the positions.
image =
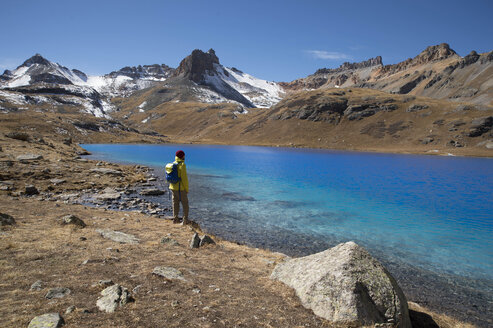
(427, 213)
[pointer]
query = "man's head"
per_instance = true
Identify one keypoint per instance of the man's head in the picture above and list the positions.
(180, 154)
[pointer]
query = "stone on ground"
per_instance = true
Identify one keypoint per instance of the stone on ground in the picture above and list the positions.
(59, 292)
(168, 273)
(195, 242)
(72, 219)
(346, 286)
(6, 219)
(113, 297)
(206, 240)
(49, 320)
(118, 236)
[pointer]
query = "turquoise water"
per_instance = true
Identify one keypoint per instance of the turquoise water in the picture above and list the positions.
(429, 212)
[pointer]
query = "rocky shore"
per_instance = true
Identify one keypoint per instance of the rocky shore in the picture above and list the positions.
(70, 254)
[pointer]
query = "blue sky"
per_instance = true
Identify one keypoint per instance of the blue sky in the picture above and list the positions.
(273, 40)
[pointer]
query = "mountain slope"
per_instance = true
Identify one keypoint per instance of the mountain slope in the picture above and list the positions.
(436, 72)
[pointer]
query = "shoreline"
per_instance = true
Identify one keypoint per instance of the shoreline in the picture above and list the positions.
(59, 251)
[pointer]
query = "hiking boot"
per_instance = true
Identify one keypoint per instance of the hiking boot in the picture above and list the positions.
(185, 221)
(176, 220)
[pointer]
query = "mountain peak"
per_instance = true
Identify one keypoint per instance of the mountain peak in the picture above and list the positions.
(196, 64)
(436, 52)
(36, 59)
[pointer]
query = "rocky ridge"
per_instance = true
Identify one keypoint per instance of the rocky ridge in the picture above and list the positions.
(437, 72)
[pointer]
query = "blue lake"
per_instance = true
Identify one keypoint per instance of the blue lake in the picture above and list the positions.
(428, 212)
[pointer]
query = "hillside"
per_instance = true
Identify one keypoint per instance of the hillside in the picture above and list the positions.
(350, 119)
(437, 72)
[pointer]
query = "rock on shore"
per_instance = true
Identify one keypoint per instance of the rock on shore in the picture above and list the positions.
(347, 286)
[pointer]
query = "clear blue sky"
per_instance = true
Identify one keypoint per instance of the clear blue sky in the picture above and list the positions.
(273, 40)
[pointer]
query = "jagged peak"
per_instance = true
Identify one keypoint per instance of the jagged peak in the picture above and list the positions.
(36, 59)
(196, 64)
(436, 52)
(377, 61)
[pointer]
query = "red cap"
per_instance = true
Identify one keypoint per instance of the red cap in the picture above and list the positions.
(180, 154)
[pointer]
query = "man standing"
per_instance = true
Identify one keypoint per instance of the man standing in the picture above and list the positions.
(180, 189)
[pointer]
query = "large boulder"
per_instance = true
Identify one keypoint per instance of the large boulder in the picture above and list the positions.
(346, 286)
(113, 297)
(51, 320)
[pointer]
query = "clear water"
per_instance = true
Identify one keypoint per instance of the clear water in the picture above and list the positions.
(431, 212)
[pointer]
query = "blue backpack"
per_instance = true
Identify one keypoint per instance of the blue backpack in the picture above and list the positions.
(171, 170)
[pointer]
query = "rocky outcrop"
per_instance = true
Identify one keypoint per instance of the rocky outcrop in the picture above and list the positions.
(481, 126)
(156, 71)
(346, 286)
(59, 292)
(377, 61)
(196, 65)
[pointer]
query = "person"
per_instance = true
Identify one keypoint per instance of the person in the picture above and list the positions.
(180, 189)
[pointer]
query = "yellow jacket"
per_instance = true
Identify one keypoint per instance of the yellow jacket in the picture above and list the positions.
(182, 173)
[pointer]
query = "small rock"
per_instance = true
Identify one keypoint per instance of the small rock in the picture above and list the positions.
(6, 219)
(169, 241)
(415, 108)
(103, 170)
(31, 190)
(72, 219)
(152, 192)
(29, 157)
(59, 292)
(70, 309)
(38, 285)
(168, 273)
(137, 289)
(104, 283)
(195, 242)
(49, 320)
(18, 136)
(427, 140)
(118, 236)
(206, 240)
(57, 181)
(82, 238)
(67, 141)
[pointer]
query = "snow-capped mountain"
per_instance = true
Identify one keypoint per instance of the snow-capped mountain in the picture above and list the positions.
(205, 78)
(216, 83)
(37, 70)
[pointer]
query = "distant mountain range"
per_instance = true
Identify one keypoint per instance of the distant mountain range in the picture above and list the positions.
(436, 102)
(437, 72)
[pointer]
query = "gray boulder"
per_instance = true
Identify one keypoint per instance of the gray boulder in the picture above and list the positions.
(59, 292)
(49, 320)
(6, 219)
(108, 194)
(37, 285)
(195, 242)
(206, 240)
(168, 273)
(72, 219)
(113, 297)
(346, 286)
(118, 236)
